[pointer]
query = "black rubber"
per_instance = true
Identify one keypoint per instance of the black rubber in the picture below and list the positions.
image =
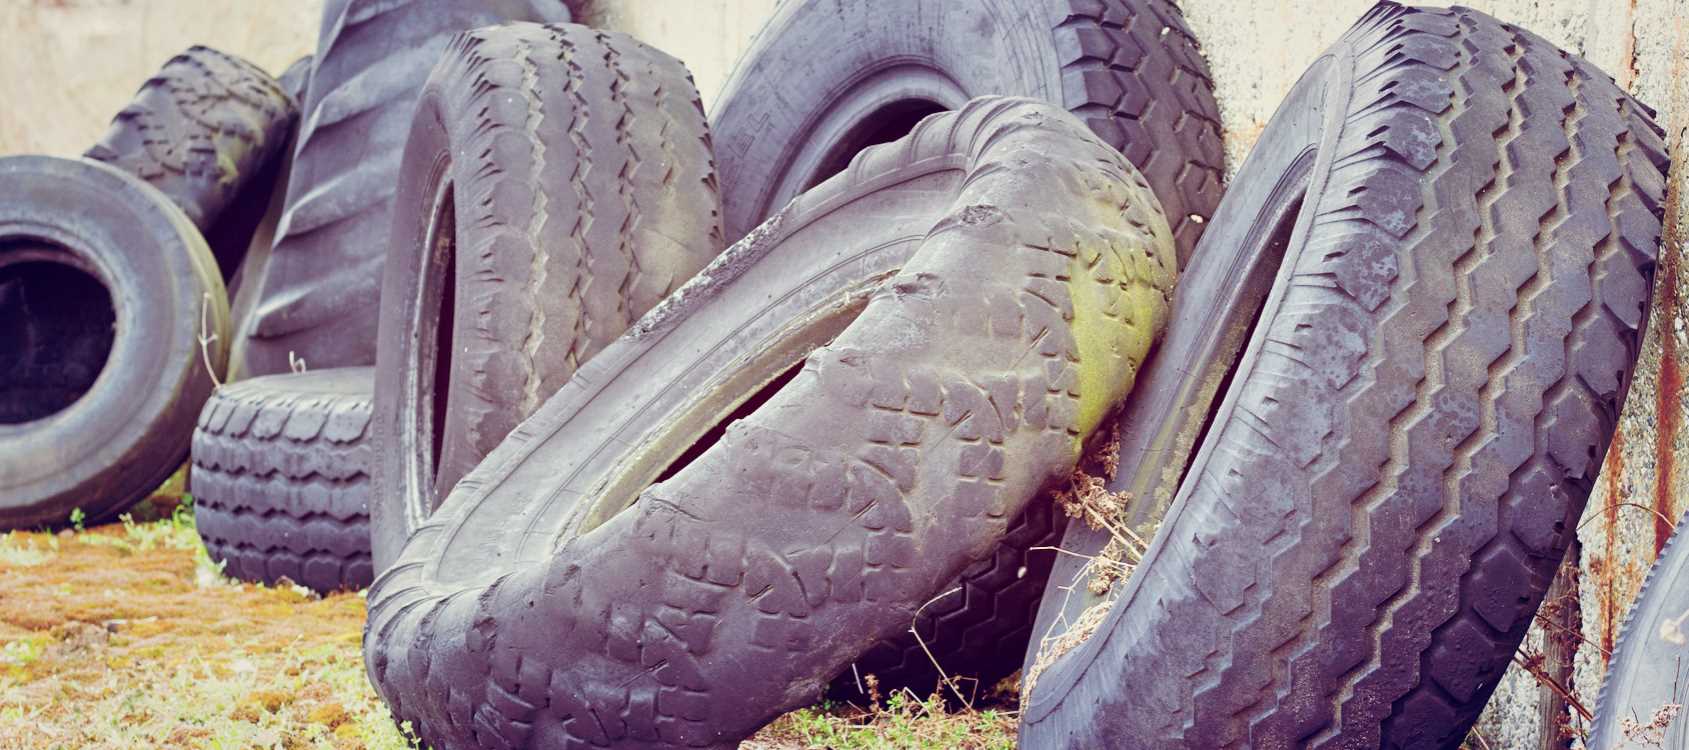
(533, 609)
(1389, 484)
(105, 289)
(1649, 669)
(246, 281)
(572, 167)
(320, 296)
(281, 478)
(208, 131)
(826, 78)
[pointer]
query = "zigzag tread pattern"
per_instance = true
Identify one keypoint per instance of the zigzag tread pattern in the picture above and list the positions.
(280, 479)
(593, 198)
(199, 129)
(1475, 279)
(1133, 71)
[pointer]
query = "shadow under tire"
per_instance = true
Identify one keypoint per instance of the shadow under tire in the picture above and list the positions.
(281, 478)
(1390, 484)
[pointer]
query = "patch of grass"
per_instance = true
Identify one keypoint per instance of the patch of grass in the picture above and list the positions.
(902, 721)
(24, 551)
(127, 635)
(121, 642)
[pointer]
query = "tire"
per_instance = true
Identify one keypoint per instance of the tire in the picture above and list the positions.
(826, 78)
(206, 131)
(105, 289)
(1647, 671)
(1409, 297)
(528, 588)
(319, 300)
(281, 478)
(588, 197)
(248, 278)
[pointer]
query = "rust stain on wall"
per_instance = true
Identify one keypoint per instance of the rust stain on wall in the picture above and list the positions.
(1613, 469)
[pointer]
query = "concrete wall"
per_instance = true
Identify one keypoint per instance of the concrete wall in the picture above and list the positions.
(70, 64)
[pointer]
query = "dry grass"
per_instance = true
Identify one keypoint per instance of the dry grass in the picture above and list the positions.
(126, 635)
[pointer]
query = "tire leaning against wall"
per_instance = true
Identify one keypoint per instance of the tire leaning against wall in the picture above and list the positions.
(1469, 268)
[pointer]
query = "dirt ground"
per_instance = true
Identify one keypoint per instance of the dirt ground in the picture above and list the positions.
(127, 635)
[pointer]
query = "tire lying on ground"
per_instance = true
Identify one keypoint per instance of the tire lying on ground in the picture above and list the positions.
(208, 131)
(557, 184)
(825, 79)
(319, 301)
(532, 609)
(1646, 675)
(105, 290)
(1469, 219)
(281, 478)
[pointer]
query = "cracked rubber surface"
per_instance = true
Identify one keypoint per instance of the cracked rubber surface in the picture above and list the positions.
(825, 78)
(281, 478)
(320, 295)
(1470, 270)
(128, 427)
(525, 613)
(1649, 668)
(558, 183)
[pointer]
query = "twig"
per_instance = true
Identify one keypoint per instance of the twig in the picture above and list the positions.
(923, 642)
(1565, 695)
(206, 338)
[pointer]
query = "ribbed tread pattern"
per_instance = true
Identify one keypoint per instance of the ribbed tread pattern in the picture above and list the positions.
(199, 130)
(1474, 282)
(591, 198)
(280, 478)
(818, 524)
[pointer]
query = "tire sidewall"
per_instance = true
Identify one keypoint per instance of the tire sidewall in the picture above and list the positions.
(133, 425)
(410, 313)
(818, 69)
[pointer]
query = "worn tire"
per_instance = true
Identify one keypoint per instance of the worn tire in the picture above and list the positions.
(1469, 270)
(319, 300)
(1647, 672)
(207, 130)
(105, 289)
(248, 278)
(826, 78)
(580, 163)
(528, 608)
(281, 478)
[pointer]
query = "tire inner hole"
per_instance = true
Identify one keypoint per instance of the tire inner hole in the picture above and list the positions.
(445, 253)
(719, 429)
(1272, 258)
(57, 324)
(886, 124)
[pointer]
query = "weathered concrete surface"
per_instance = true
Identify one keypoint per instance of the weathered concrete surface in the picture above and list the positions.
(69, 64)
